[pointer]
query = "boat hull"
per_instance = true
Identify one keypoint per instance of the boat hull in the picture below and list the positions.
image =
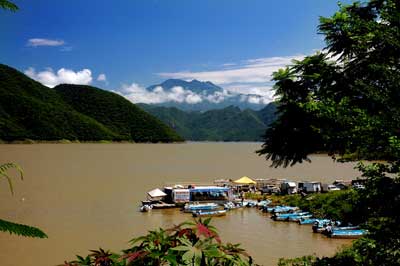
(210, 213)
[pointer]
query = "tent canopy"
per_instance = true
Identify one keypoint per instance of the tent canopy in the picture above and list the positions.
(156, 193)
(245, 181)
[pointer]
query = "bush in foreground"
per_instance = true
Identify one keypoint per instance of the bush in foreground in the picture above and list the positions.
(190, 243)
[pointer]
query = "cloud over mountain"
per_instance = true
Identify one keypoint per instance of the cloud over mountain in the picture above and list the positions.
(158, 94)
(246, 72)
(51, 79)
(194, 95)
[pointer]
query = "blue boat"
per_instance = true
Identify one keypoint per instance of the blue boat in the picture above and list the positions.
(320, 225)
(296, 218)
(286, 216)
(346, 228)
(307, 220)
(282, 209)
(193, 207)
(263, 203)
(347, 233)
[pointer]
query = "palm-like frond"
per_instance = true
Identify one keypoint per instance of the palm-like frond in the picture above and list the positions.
(21, 229)
(8, 5)
(11, 227)
(4, 169)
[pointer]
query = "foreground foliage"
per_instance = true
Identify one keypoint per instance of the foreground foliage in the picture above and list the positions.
(11, 227)
(190, 243)
(345, 100)
(8, 5)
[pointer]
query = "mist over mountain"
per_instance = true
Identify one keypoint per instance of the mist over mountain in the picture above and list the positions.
(195, 95)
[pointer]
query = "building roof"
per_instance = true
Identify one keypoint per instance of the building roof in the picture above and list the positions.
(156, 193)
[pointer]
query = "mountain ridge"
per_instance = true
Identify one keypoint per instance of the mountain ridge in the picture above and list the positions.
(30, 110)
(227, 124)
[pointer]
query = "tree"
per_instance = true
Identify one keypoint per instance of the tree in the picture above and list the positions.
(345, 101)
(8, 5)
(16, 228)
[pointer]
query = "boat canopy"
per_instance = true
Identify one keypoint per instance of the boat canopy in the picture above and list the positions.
(156, 193)
(245, 181)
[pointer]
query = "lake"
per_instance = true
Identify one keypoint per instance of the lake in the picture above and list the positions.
(86, 196)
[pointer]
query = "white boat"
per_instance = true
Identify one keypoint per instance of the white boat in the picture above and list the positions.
(215, 213)
(146, 208)
(193, 207)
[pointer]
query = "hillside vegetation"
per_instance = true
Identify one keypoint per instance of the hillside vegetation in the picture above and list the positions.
(29, 110)
(126, 120)
(228, 124)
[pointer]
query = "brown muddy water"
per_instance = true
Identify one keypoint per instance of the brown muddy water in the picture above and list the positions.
(86, 196)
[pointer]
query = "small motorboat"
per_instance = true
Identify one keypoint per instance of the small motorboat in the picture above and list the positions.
(282, 209)
(320, 225)
(194, 207)
(232, 205)
(352, 234)
(215, 213)
(262, 204)
(307, 221)
(286, 216)
(146, 208)
(296, 218)
(163, 205)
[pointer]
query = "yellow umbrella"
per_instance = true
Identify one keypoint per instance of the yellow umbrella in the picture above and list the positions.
(245, 180)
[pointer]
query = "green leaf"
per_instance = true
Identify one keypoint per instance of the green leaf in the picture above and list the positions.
(21, 229)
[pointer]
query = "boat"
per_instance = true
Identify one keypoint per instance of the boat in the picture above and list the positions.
(249, 203)
(352, 234)
(346, 228)
(296, 218)
(263, 203)
(163, 205)
(146, 208)
(286, 216)
(193, 207)
(232, 205)
(215, 213)
(320, 225)
(307, 221)
(281, 209)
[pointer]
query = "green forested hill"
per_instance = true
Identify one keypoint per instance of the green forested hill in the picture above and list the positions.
(115, 112)
(228, 124)
(29, 110)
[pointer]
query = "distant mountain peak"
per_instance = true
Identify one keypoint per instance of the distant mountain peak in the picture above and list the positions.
(195, 85)
(201, 96)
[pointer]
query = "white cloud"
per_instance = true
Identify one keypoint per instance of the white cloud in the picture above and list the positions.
(51, 79)
(251, 79)
(44, 42)
(250, 71)
(138, 94)
(102, 77)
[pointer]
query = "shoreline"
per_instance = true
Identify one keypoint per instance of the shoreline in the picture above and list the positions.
(66, 141)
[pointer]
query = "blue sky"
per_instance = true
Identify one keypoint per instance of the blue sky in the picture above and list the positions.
(143, 42)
